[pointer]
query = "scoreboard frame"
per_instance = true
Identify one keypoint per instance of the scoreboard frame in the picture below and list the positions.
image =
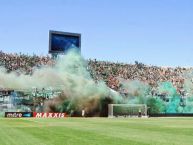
(62, 34)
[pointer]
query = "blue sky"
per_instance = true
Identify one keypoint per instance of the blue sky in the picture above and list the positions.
(157, 32)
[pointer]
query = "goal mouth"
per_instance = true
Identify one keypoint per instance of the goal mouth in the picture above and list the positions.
(127, 110)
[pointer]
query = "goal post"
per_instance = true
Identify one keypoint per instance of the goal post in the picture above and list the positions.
(127, 110)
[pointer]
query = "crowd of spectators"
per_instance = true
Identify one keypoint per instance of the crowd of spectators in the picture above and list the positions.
(22, 63)
(108, 72)
(112, 73)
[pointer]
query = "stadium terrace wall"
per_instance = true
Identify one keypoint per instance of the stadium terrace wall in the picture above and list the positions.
(63, 115)
(172, 115)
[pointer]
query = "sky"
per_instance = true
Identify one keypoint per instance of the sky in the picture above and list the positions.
(154, 32)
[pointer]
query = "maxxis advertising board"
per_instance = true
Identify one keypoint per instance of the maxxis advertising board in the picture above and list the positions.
(49, 115)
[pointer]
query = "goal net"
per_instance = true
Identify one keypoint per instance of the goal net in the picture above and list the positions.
(127, 110)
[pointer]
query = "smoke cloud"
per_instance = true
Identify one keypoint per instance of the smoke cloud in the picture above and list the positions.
(69, 75)
(79, 91)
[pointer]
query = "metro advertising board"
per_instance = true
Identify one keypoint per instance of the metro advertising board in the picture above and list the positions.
(18, 114)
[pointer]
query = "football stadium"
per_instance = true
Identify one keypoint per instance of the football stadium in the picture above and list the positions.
(64, 94)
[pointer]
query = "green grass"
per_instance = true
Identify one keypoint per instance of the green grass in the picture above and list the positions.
(96, 131)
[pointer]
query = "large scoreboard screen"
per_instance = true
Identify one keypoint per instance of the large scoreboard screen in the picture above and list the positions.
(62, 42)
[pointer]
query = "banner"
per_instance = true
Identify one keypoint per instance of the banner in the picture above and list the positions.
(34, 114)
(48, 115)
(18, 114)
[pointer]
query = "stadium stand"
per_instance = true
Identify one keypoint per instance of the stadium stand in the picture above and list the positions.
(109, 72)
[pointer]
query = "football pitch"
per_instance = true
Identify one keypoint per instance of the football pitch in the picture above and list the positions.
(96, 131)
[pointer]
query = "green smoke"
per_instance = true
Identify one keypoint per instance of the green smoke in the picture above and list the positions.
(156, 105)
(166, 100)
(70, 76)
(136, 91)
(188, 88)
(167, 88)
(79, 91)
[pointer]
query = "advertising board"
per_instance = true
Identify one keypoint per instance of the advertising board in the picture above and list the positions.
(48, 115)
(18, 114)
